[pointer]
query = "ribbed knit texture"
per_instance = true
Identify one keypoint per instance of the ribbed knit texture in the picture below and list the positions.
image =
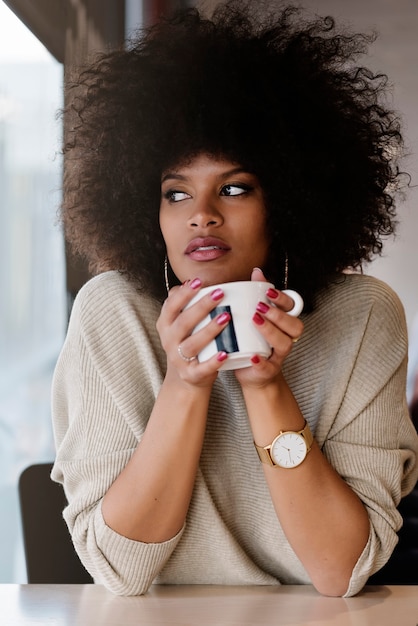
(347, 373)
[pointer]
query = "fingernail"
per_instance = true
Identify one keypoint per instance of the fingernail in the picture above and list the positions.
(258, 319)
(223, 318)
(255, 359)
(222, 356)
(196, 282)
(262, 307)
(217, 294)
(272, 293)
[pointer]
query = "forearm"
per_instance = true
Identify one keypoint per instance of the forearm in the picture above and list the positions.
(149, 500)
(323, 519)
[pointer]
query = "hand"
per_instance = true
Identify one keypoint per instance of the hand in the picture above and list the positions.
(175, 326)
(280, 329)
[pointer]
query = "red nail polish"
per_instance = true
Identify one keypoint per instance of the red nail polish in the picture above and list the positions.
(196, 282)
(272, 293)
(217, 294)
(255, 359)
(258, 319)
(223, 318)
(262, 307)
(222, 356)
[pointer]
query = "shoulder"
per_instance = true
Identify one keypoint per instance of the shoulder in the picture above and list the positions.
(103, 286)
(112, 291)
(351, 296)
(110, 300)
(358, 313)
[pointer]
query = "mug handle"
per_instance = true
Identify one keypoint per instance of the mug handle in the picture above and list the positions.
(298, 302)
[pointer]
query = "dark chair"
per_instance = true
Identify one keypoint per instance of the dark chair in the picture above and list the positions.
(49, 552)
(402, 567)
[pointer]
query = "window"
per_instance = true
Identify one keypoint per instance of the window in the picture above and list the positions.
(32, 276)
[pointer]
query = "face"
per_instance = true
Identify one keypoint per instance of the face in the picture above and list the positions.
(213, 220)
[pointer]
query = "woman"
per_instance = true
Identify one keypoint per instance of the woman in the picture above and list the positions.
(232, 149)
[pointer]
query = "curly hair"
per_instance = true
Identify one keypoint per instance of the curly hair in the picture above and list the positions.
(280, 94)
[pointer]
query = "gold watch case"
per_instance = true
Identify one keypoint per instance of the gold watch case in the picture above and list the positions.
(288, 449)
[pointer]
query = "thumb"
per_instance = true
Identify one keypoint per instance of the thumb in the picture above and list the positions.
(257, 274)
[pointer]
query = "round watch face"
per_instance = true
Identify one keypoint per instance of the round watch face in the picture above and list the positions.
(288, 450)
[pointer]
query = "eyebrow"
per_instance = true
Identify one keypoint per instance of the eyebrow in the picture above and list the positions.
(235, 170)
(172, 176)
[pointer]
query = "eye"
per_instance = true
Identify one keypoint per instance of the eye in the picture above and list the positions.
(235, 190)
(172, 195)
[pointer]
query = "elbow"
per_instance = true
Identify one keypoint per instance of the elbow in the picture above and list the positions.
(118, 588)
(331, 583)
(333, 589)
(119, 584)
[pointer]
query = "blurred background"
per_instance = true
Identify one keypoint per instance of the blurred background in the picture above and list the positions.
(40, 40)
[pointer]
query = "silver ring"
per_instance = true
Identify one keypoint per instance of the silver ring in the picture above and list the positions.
(188, 359)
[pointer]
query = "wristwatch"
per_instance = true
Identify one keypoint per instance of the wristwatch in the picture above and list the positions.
(288, 449)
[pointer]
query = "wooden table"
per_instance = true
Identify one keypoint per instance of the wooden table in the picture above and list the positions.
(201, 605)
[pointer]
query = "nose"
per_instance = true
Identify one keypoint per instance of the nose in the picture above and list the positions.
(205, 213)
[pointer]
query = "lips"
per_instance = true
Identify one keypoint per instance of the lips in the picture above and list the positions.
(205, 249)
(204, 244)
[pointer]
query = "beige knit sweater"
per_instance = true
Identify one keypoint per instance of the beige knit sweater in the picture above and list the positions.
(348, 375)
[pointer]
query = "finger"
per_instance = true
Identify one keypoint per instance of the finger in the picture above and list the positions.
(179, 297)
(288, 300)
(257, 274)
(271, 318)
(194, 343)
(298, 302)
(209, 364)
(195, 312)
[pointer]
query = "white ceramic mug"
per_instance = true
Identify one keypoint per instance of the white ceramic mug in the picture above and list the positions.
(240, 338)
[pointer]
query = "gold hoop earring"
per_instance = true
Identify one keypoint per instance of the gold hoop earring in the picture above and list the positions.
(167, 284)
(286, 270)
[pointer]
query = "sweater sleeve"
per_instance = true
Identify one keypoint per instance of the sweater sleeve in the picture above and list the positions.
(372, 442)
(105, 383)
